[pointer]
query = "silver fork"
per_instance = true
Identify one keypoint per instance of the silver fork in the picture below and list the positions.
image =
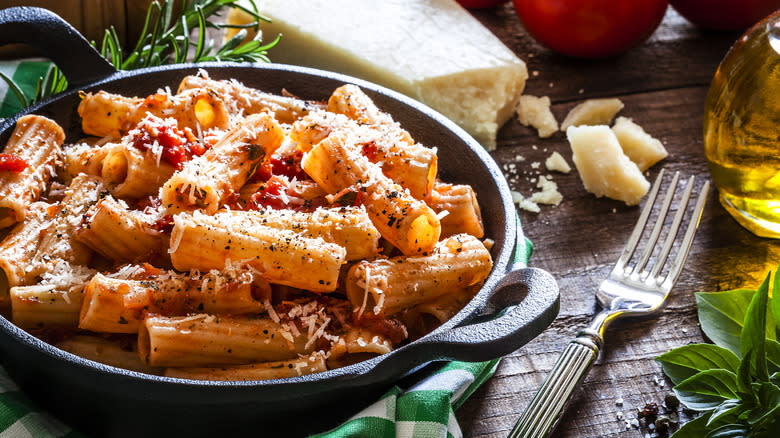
(628, 291)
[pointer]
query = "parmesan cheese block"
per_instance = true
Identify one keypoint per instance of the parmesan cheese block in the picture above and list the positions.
(431, 50)
(638, 145)
(592, 112)
(604, 169)
(535, 111)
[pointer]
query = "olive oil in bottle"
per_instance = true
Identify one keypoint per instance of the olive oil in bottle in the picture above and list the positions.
(742, 129)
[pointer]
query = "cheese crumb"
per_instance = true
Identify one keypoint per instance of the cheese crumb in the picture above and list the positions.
(549, 193)
(524, 203)
(535, 111)
(603, 167)
(556, 163)
(592, 112)
(638, 145)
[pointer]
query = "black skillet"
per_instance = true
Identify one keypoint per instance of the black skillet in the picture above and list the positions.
(106, 401)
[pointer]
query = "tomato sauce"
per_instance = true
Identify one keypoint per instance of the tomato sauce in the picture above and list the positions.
(286, 165)
(177, 146)
(370, 151)
(12, 163)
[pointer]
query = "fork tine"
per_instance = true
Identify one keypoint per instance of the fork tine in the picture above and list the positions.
(685, 245)
(633, 240)
(673, 230)
(658, 227)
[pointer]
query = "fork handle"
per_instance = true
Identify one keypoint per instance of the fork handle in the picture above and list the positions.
(545, 409)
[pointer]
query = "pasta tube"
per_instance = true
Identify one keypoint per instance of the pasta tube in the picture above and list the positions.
(111, 229)
(59, 240)
(206, 181)
(313, 363)
(423, 318)
(131, 173)
(105, 114)
(43, 306)
(351, 101)
(37, 141)
(411, 165)
(408, 223)
(19, 247)
(252, 101)
(207, 340)
(205, 242)
(84, 158)
(348, 227)
(388, 286)
(356, 345)
(460, 203)
(119, 305)
(120, 353)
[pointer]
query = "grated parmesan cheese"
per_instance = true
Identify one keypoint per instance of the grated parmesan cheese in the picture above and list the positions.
(317, 334)
(442, 214)
(271, 312)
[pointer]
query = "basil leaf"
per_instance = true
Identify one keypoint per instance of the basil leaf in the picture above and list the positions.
(685, 361)
(728, 431)
(754, 331)
(695, 428)
(721, 315)
(744, 382)
(727, 408)
(769, 395)
(707, 389)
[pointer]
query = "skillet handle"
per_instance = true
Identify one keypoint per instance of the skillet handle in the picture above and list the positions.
(534, 298)
(48, 33)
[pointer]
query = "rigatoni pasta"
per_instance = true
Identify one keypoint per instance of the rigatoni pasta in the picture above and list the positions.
(226, 233)
(205, 182)
(28, 165)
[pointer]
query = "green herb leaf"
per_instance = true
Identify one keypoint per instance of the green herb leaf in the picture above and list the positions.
(754, 331)
(772, 355)
(725, 411)
(685, 361)
(722, 315)
(707, 389)
(696, 428)
(15, 88)
(744, 382)
(728, 431)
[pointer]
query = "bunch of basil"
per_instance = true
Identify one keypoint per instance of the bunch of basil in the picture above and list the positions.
(736, 382)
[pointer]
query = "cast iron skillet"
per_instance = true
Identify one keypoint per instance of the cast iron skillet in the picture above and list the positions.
(107, 401)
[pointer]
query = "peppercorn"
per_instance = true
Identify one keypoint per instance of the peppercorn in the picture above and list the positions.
(662, 424)
(671, 401)
(649, 411)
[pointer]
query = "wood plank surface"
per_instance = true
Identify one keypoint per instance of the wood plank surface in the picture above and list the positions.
(663, 84)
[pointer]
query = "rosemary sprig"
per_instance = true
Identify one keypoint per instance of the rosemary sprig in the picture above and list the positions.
(168, 37)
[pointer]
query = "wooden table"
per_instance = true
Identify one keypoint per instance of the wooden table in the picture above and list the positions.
(663, 84)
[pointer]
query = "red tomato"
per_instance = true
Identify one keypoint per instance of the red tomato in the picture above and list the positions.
(590, 28)
(480, 4)
(725, 14)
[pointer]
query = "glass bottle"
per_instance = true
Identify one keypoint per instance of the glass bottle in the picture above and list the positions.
(742, 129)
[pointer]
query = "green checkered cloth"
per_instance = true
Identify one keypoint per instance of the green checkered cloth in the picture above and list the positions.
(425, 410)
